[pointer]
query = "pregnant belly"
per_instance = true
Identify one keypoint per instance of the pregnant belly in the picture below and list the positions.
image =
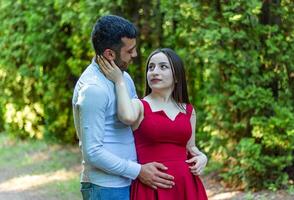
(179, 169)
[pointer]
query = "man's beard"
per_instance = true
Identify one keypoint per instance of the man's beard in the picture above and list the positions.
(121, 64)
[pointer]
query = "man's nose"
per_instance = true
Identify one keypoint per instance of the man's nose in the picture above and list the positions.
(134, 54)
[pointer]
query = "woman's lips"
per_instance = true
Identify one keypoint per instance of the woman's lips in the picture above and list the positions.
(155, 80)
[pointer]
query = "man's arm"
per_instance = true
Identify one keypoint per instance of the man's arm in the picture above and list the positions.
(91, 108)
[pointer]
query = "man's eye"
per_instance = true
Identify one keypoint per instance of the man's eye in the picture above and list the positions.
(131, 51)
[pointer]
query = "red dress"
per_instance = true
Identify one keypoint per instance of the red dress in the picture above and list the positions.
(160, 139)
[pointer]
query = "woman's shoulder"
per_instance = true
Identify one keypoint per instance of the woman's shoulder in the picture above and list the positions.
(188, 108)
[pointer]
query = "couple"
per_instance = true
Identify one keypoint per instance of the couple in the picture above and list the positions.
(106, 110)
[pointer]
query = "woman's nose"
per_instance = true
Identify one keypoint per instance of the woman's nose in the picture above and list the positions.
(156, 70)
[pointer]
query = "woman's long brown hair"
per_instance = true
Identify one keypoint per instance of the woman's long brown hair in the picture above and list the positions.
(180, 92)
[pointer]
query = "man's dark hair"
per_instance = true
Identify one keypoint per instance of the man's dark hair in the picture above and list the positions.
(108, 32)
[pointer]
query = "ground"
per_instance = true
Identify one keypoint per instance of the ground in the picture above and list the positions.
(38, 170)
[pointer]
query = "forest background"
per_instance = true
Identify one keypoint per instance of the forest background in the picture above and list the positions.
(239, 65)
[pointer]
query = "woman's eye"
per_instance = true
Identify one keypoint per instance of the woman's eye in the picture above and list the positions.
(150, 67)
(164, 66)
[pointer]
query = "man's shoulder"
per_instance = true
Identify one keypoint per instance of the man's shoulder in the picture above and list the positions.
(91, 80)
(91, 74)
(93, 89)
(127, 76)
(128, 79)
(91, 94)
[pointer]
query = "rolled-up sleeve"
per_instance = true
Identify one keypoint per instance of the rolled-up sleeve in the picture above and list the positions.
(91, 106)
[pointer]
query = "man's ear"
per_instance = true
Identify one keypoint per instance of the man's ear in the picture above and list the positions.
(109, 54)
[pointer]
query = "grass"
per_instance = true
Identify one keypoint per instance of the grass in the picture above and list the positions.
(39, 170)
(42, 170)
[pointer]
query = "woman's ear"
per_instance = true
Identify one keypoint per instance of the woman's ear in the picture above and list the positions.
(109, 54)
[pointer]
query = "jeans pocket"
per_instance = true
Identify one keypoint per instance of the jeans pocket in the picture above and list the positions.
(87, 190)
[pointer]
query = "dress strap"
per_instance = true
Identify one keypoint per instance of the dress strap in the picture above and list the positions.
(147, 108)
(189, 110)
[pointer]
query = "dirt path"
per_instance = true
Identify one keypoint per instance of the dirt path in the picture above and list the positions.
(15, 185)
(28, 189)
(51, 172)
(216, 191)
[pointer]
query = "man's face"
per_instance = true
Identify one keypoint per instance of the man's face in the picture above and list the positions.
(127, 53)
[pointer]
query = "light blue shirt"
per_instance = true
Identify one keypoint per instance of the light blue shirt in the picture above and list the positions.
(107, 145)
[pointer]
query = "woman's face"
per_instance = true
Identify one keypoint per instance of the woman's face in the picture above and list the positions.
(159, 72)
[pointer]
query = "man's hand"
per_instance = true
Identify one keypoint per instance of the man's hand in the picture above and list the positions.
(199, 161)
(151, 175)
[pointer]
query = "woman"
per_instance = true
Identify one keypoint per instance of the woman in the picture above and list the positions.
(164, 125)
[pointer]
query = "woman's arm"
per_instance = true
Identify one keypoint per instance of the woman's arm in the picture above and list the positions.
(199, 159)
(128, 111)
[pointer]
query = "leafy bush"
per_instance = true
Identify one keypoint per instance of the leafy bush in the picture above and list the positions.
(238, 56)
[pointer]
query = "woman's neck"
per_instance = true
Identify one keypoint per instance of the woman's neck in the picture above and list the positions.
(161, 97)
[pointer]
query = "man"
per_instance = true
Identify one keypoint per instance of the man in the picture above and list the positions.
(107, 145)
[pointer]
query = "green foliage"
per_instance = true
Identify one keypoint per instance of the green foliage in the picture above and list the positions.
(248, 165)
(238, 59)
(239, 72)
(250, 96)
(45, 47)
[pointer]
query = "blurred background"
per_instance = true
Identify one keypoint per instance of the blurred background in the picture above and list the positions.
(239, 60)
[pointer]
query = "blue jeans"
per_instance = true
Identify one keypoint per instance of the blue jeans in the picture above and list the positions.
(91, 191)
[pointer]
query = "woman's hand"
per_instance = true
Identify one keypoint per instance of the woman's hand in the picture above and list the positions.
(110, 70)
(198, 161)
